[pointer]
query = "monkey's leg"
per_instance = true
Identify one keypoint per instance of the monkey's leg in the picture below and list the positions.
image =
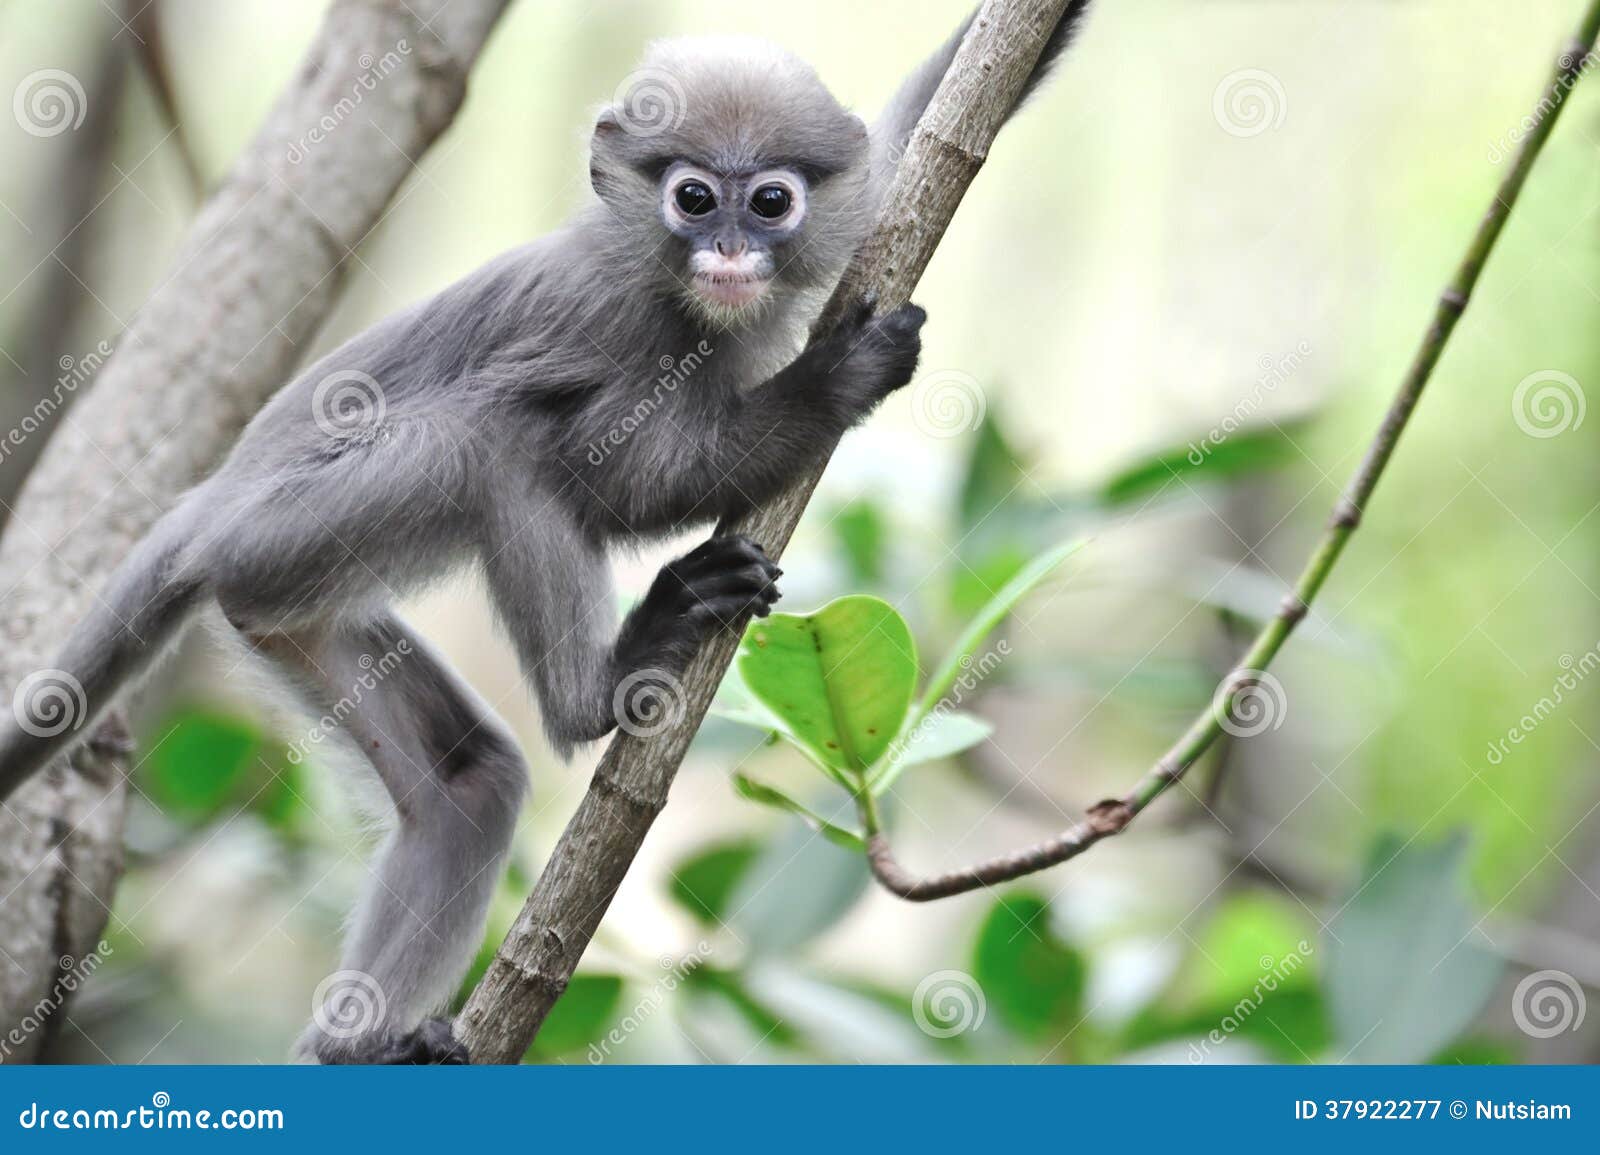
(457, 779)
(552, 587)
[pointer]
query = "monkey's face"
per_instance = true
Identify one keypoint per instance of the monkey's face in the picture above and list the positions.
(734, 230)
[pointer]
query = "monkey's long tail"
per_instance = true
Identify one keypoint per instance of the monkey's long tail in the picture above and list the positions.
(893, 128)
(148, 599)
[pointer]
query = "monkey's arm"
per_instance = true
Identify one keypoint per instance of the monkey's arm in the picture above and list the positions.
(785, 425)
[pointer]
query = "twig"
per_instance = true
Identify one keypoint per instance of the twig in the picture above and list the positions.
(630, 785)
(1111, 816)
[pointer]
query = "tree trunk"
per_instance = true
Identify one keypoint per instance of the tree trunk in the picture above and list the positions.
(258, 271)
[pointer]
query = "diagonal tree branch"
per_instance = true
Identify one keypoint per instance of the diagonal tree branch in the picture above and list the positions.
(1110, 817)
(630, 785)
(253, 280)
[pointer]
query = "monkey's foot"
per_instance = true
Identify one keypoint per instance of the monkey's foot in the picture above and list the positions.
(432, 1043)
(723, 582)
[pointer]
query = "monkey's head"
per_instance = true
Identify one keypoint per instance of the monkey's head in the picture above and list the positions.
(736, 177)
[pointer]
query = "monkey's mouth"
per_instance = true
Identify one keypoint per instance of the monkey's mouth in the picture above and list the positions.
(730, 290)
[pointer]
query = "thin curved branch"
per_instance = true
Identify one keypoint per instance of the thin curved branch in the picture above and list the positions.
(1113, 815)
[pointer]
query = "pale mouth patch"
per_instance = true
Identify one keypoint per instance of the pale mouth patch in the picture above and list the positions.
(730, 290)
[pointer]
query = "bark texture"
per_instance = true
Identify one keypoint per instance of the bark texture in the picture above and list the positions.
(257, 272)
(631, 783)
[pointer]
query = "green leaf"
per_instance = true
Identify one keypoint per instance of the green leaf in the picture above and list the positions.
(995, 471)
(1034, 981)
(580, 1016)
(841, 678)
(974, 582)
(800, 886)
(198, 760)
(1405, 977)
(771, 796)
(703, 883)
(1202, 462)
(860, 530)
(962, 655)
(1251, 974)
(939, 735)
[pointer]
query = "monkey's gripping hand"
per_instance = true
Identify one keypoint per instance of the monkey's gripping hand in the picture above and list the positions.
(720, 584)
(865, 358)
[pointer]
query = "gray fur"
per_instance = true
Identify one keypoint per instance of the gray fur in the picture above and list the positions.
(527, 425)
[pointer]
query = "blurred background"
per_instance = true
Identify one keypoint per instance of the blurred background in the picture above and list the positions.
(1167, 318)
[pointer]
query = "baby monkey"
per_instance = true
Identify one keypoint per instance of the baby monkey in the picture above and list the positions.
(521, 422)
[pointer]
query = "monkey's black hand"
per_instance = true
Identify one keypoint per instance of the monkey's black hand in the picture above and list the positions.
(721, 583)
(867, 357)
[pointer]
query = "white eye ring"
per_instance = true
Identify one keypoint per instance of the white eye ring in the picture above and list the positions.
(676, 179)
(790, 184)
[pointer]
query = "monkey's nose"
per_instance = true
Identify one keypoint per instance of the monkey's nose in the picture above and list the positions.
(730, 246)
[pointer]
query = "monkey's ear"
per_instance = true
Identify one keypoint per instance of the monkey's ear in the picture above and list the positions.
(602, 146)
(607, 122)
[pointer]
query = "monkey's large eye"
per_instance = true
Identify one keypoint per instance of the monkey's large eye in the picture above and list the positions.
(771, 201)
(694, 199)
